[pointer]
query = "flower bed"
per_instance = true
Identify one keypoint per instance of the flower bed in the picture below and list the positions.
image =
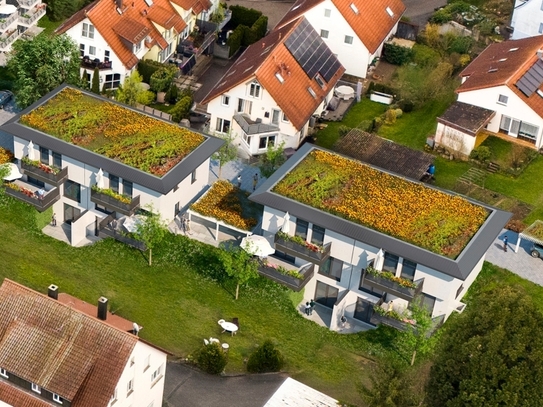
(227, 203)
(389, 276)
(297, 239)
(431, 219)
(6, 156)
(116, 132)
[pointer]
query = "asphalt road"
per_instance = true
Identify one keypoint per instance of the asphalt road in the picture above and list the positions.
(418, 11)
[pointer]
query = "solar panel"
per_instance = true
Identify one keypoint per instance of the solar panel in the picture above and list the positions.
(311, 52)
(532, 79)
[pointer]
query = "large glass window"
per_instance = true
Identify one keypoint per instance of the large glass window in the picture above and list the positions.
(368, 288)
(44, 155)
(408, 270)
(317, 237)
(254, 90)
(332, 268)
(266, 141)
(275, 116)
(57, 159)
(363, 310)
(301, 228)
(112, 81)
(114, 183)
(87, 31)
(325, 294)
(427, 301)
(391, 262)
(223, 125)
(72, 190)
(128, 187)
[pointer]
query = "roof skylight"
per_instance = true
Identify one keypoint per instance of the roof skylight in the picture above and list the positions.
(354, 8)
(390, 12)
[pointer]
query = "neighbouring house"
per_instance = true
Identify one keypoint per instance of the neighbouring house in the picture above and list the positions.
(114, 35)
(294, 393)
(269, 95)
(527, 19)
(59, 350)
(355, 30)
(379, 242)
(103, 164)
(501, 93)
(16, 18)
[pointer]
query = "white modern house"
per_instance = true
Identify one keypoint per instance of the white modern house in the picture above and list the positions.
(88, 187)
(355, 30)
(57, 350)
(269, 94)
(504, 86)
(115, 35)
(341, 251)
(527, 19)
(16, 18)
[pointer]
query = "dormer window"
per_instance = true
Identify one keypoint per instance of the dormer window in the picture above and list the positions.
(3, 373)
(36, 388)
(137, 47)
(57, 398)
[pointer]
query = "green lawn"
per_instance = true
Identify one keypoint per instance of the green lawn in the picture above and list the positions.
(179, 304)
(49, 25)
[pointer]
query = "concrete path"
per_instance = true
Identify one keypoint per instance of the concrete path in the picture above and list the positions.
(521, 263)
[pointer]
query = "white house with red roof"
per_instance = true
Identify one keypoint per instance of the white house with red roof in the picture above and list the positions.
(504, 86)
(57, 350)
(115, 35)
(355, 30)
(270, 93)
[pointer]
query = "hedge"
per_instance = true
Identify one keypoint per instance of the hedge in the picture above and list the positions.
(396, 54)
(235, 39)
(148, 67)
(243, 16)
(260, 27)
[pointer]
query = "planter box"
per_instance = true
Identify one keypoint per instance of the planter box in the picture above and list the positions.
(48, 178)
(40, 204)
(378, 319)
(109, 232)
(302, 252)
(394, 288)
(379, 97)
(114, 204)
(293, 283)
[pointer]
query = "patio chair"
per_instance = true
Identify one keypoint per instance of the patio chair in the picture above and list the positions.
(206, 342)
(221, 321)
(235, 321)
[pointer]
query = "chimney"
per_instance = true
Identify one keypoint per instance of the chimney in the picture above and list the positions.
(102, 308)
(119, 4)
(52, 291)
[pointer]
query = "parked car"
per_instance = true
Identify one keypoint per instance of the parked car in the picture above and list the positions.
(536, 250)
(5, 97)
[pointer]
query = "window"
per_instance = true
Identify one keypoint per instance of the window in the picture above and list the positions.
(3, 373)
(36, 182)
(82, 50)
(540, 31)
(114, 395)
(193, 177)
(57, 159)
(156, 374)
(275, 116)
(132, 361)
(176, 209)
(246, 138)
(325, 294)
(517, 128)
(72, 190)
(279, 77)
(266, 141)
(36, 388)
(408, 270)
(112, 81)
(129, 387)
(57, 398)
(324, 33)
(88, 30)
(225, 100)
(317, 237)
(114, 183)
(320, 80)
(327, 12)
(391, 262)
(137, 48)
(254, 90)
(44, 155)
(301, 228)
(428, 302)
(332, 268)
(363, 310)
(92, 50)
(502, 99)
(285, 118)
(348, 39)
(542, 6)
(223, 125)
(106, 56)
(528, 130)
(244, 106)
(128, 188)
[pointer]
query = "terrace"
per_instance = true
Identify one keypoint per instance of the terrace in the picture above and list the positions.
(115, 202)
(45, 173)
(8, 37)
(396, 286)
(6, 22)
(285, 274)
(33, 14)
(309, 252)
(27, 192)
(87, 62)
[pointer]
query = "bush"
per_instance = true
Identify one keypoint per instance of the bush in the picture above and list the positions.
(343, 130)
(148, 67)
(162, 79)
(244, 16)
(211, 358)
(145, 98)
(441, 16)
(365, 125)
(406, 105)
(265, 358)
(424, 55)
(235, 39)
(390, 116)
(481, 153)
(377, 123)
(396, 54)
(461, 45)
(379, 87)
(398, 113)
(371, 87)
(181, 110)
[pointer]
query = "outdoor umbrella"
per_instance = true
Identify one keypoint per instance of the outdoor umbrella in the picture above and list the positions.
(100, 179)
(31, 151)
(131, 223)
(286, 224)
(379, 260)
(257, 246)
(13, 173)
(8, 9)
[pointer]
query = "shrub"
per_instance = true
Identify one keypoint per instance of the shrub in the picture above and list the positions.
(95, 88)
(181, 109)
(244, 16)
(441, 16)
(148, 67)
(266, 358)
(406, 105)
(390, 116)
(379, 87)
(173, 94)
(6, 156)
(235, 39)
(145, 98)
(481, 153)
(211, 358)
(424, 55)
(365, 125)
(343, 130)
(461, 45)
(377, 123)
(162, 79)
(396, 54)
(398, 113)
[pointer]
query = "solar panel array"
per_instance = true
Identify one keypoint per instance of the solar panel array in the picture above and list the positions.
(313, 55)
(531, 80)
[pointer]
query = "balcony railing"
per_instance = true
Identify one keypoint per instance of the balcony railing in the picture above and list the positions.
(394, 288)
(7, 40)
(301, 251)
(47, 177)
(27, 3)
(31, 17)
(49, 198)
(89, 63)
(296, 284)
(378, 319)
(6, 22)
(252, 127)
(106, 229)
(114, 204)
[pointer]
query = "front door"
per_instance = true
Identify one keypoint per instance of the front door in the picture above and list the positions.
(326, 294)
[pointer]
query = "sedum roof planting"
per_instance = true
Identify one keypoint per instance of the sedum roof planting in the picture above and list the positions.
(409, 211)
(117, 132)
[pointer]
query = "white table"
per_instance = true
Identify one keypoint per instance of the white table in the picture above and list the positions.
(230, 327)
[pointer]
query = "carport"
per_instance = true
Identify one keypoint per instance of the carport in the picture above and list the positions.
(533, 233)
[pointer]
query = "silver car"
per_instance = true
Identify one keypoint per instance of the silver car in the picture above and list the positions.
(5, 97)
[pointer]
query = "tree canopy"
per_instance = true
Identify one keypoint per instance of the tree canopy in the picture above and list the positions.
(491, 355)
(151, 229)
(41, 64)
(238, 264)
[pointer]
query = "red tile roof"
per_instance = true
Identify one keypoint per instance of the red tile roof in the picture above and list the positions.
(14, 396)
(502, 64)
(59, 348)
(261, 61)
(133, 25)
(372, 23)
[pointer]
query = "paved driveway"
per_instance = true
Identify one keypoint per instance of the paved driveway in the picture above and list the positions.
(7, 113)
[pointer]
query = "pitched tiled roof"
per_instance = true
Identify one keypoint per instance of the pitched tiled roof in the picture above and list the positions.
(466, 118)
(11, 394)
(370, 20)
(134, 24)
(262, 61)
(62, 350)
(503, 64)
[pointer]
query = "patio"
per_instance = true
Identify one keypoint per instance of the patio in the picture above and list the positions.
(323, 316)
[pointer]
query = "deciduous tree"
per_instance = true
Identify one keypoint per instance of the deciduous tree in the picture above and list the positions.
(272, 159)
(238, 264)
(151, 229)
(228, 152)
(130, 89)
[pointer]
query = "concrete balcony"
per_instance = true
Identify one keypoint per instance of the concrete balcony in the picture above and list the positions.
(274, 270)
(6, 22)
(88, 63)
(45, 173)
(250, 127)
(32, 16)
(28, 193)
(27, 3)
(8, 38)
(114, 204)
(393, 287)
(110, 227)
(302, 251)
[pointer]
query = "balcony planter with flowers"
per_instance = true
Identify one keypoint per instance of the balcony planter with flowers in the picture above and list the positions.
(298, 247)
(46, 173)
(114, 201)
(27, 195)
(295, 279)
(388, 282)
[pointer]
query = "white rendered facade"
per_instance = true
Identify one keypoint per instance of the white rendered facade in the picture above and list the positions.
(26, 15)
(527, 19)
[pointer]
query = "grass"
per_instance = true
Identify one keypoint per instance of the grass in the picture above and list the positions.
(178, 305)
(48, 25)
